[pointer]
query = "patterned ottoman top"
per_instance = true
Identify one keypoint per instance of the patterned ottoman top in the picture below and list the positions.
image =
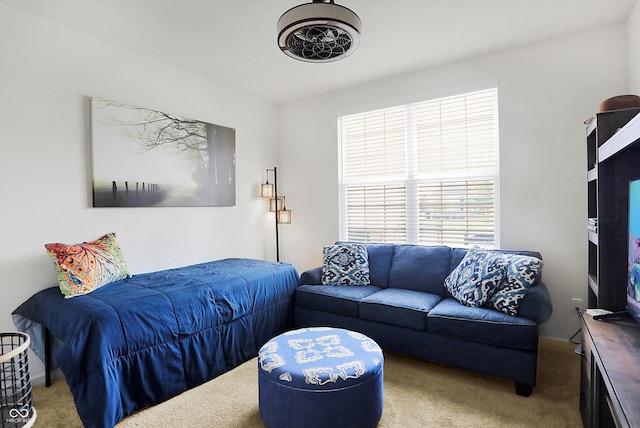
(320, 358)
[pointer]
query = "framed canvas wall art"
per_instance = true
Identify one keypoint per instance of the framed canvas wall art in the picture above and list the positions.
(146, 158)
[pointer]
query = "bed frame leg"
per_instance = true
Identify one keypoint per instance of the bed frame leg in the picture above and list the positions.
(47, 357)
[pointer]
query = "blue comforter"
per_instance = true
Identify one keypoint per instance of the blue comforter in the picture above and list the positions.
(145, 339)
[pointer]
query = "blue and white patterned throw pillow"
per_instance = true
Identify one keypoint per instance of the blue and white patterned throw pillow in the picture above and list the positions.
(345, 264)
(522, 273)
(477, 275)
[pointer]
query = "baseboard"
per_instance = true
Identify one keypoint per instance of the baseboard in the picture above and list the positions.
(41, 378)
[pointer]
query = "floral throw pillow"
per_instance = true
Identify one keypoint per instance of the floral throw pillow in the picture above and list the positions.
(475, 278)
(345, 264)
(82, 268)
(522, 273)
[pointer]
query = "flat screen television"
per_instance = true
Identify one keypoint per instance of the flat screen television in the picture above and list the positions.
(633, 283)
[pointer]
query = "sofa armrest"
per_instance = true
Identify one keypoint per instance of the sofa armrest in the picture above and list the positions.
(312, 276)
(536, 304)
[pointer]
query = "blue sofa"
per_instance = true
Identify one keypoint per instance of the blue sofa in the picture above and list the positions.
(407, 309)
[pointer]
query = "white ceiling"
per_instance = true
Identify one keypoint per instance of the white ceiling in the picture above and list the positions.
(234, 41)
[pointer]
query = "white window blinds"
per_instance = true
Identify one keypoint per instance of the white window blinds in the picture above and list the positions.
(423, 173)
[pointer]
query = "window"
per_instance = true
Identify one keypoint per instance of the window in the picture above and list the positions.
(423, 173)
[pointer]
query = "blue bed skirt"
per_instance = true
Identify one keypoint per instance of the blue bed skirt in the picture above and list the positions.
(145, 339)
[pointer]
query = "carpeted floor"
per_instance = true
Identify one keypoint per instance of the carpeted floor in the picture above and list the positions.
(416, 394)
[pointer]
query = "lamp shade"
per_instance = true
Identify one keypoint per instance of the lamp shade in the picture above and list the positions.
(275, 205)
(266, 190)
(284, 216)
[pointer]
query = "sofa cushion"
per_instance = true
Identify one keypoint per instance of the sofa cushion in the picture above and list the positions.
(522, 273)
(406, 308)
(420, 268)
(457, 254)
(477, 275)
(342, 300)
(452, 319)
(345, 264)
(380, 256)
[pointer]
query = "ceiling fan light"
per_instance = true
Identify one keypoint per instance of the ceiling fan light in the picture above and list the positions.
(319, 32)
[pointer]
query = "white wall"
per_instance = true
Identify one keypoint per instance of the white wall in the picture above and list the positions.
(633, 28)
(47, 74)
(546, 91)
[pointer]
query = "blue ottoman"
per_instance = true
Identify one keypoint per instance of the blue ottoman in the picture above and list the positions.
(320, 377)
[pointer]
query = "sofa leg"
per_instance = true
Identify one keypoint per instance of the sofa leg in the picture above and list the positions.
(523, 390)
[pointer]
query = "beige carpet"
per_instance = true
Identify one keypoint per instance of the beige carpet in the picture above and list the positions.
(416, 394)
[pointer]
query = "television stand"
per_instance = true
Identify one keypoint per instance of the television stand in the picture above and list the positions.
(610, 372)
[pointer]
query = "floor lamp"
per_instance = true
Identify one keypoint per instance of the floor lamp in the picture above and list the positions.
(277, 205)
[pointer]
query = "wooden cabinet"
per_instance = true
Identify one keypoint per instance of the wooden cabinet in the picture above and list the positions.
(613, 158)
(610, 370)
(610, 382)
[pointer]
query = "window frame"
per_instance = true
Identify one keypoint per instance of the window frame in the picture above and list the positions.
(412, 179)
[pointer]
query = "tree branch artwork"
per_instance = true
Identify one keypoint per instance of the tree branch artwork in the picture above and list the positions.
(144, 157)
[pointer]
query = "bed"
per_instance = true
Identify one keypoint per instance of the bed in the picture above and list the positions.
(144, 339)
